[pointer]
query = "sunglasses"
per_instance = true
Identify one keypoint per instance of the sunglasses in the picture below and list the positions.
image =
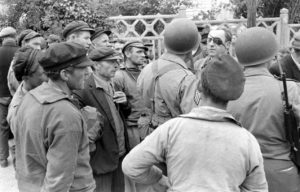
(215, 40)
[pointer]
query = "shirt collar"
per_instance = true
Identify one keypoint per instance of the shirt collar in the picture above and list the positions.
(254, 71)
(102, 84)
(173, 58)
(211, 114)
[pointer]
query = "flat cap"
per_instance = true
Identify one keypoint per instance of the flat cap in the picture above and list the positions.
(64, 55)
(8, 31)
(75, 26)
(137, 44)
(104, 54)
(98, 32)
(224, 77)
(22, 35)
(31, 35)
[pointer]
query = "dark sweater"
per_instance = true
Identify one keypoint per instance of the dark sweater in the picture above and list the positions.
(7, 52)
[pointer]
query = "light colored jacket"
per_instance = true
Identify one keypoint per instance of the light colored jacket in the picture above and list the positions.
(174, 91)
(52, 148)
(260, 110)
(204, 150)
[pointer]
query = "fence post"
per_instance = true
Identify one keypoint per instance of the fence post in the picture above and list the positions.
(285, 30)
(182, 11)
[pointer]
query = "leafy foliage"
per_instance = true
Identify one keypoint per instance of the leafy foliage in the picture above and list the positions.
(267, 8)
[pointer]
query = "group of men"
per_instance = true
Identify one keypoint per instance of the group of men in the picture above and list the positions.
(83, 121)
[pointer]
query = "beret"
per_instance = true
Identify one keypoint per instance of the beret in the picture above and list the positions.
(8, 31)
(25, 62)
(104, 54)
(64, 55)
(75, 26)
(31, 35)
(224, 77)
(137, 44)
(98, 32)
(22, 35)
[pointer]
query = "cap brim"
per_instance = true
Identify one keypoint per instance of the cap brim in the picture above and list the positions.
(92, 31)
(109, 58)
(85, 63)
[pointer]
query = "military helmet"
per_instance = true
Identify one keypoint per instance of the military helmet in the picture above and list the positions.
(256, 46)
(181, 36)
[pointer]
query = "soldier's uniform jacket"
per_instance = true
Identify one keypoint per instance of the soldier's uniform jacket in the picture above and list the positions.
(52, 149)
(174, 91)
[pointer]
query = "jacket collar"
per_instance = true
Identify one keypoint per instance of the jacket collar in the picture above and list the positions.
(254, 71)
(173, 58)
(48, 92)
(210, 114)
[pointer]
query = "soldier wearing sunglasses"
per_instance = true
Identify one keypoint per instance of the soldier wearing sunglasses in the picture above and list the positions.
(218, 43)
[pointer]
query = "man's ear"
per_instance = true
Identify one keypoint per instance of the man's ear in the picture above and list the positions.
(228, 45)
(64, 75)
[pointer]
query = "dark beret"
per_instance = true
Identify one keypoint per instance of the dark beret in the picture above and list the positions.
(22, 35)
(224, 77)
(75, 26)
(104, 54)
(25, 62)
(137, 44)
(98, 32)
(64, 55)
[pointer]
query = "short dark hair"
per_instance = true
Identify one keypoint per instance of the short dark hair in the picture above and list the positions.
(55, 75)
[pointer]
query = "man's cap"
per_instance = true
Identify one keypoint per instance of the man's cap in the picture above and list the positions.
(52, 38)
(204, 31)
(8, 31)
(64, 55)
(104, 54)
(75, 26)
(224, 77)
(296, 41)
(137, 44)
(99, 31)
(31, 35)
(22, 35)
(25, 62)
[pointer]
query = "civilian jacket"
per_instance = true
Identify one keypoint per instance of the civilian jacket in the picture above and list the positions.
(52, 148)
(7, 52)
(205, 150)
(106, 157)
(288, 66)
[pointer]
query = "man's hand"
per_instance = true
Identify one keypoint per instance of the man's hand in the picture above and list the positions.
(120, 97)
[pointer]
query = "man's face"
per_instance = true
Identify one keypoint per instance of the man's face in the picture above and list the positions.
(216, 43)
(37, 77)
(35, 43)
(136, 55)
(83, 38)
(76, 78)
(106, 69)
(102, 41)
(118, 47)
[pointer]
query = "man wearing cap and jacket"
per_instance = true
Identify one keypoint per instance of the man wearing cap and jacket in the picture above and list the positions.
(113, 145)
(205, 149)
(28, 38)
(125, 81)
(78, 32)
(101, 38)
(291, 63)
(53, 155)
(260, 108)
(7, 52)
